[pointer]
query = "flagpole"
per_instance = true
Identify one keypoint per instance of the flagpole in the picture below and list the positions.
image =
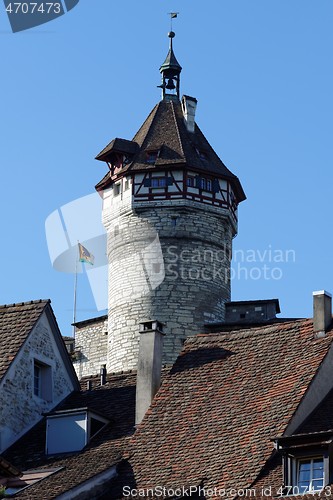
(75, 289)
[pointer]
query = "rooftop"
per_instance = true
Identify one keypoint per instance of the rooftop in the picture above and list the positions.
(115, 400)
(16, 322)
(227, 395)
(164, 130)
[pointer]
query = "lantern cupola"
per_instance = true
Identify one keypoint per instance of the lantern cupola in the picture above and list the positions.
(170, 71)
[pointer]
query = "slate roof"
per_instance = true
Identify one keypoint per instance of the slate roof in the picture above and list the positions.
(227, 395)
(115, 400)
(164, 130)
(16, 323)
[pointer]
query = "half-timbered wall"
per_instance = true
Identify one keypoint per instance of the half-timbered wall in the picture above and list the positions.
(175, 185)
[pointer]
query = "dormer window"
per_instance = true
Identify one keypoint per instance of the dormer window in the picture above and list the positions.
(151, 157)
(71, 430)
(306, 462)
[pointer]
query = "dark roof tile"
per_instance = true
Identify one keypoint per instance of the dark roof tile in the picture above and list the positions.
(165, 131)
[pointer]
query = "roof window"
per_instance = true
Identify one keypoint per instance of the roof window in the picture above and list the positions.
(306, 462)
(151, 156)
(202, 154)
(71, 430)
(16, 484)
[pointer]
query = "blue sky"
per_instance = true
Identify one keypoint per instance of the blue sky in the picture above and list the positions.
(262, 73)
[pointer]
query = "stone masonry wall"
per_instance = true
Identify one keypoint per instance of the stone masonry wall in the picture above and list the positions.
(20, 408)
(170, 263)
(91, 339)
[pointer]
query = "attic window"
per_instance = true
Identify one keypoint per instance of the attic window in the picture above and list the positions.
(151, 156)
(42, 380)
(71, 430)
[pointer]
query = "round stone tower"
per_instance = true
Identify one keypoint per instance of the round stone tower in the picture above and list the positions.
(170, 211)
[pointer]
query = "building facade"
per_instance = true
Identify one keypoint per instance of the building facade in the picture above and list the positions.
(36, 372)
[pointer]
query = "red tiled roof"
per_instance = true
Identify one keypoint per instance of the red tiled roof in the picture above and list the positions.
(227, 395)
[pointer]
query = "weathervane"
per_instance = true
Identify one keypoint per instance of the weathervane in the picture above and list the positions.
(172, 15)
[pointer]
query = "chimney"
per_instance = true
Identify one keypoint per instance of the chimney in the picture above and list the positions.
(149, 366)
(189, 106)
(103, 374)
(251, 311)
(322, 312)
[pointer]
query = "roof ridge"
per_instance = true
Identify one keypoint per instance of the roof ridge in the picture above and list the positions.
(27, 303)
(153, 112)
(248, 332)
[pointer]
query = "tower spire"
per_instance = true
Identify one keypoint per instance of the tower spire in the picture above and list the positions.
(170, 71)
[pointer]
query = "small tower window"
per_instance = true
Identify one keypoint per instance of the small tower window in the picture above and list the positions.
(158, 182)
(117, 189)
(190, 182)
(204, 184)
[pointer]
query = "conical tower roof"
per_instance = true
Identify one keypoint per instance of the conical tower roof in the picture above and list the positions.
(165, 132)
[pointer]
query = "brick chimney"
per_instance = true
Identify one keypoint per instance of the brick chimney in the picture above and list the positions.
(322, 312)
(189, 106)
(149, 366)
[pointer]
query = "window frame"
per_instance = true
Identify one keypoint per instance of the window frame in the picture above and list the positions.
(85, 416)
(297, 471)
(152, 156)
(117, 189)
(161, 182)
(44, 388)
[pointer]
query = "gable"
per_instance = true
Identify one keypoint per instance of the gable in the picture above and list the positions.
(16, 322)
(42, 354)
